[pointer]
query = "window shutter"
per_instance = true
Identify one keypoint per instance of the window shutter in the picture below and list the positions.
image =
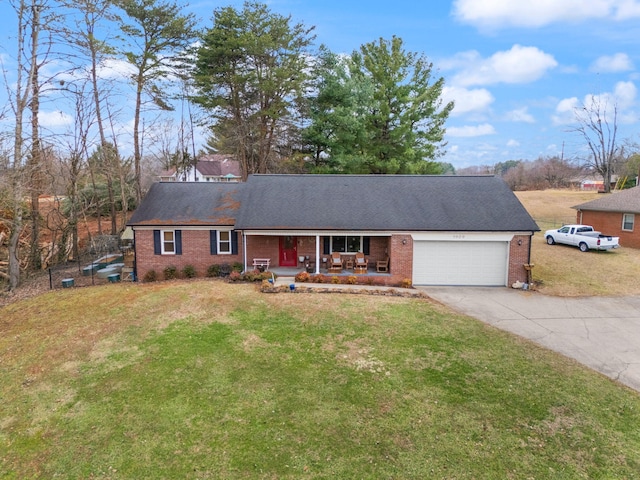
(234, 242)
(365, 245)
(213, 242)
(157, 249)
(178, 239)
(326, 246)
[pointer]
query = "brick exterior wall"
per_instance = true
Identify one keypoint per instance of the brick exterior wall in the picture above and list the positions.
(610, 223)
(401, 258)
(263, 247)
(518, 257)
(399, 248)
(195, 251)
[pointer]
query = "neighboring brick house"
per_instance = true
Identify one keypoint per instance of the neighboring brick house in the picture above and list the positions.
(434, 230)
(614, 214)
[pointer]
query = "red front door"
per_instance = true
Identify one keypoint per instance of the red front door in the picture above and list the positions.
(288, 251)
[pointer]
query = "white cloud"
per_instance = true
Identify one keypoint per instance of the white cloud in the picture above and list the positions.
(565, 111)
(627, 9)
(5, 60)
(520, 115)
(115, 69)
(513, 143)
(517, 65)
(625, 94)
(623, 98)
(471, 130)
(54, 119)
(467, 100)
(510, 13)
(620, 62)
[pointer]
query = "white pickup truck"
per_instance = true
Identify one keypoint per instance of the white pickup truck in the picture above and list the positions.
(582, 236)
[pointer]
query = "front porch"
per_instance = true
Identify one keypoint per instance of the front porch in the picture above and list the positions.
(292, 272)
(297, 252)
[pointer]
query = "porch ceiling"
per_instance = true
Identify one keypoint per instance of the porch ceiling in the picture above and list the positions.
(313, 233)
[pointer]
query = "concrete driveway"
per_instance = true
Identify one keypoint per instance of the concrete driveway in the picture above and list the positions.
(600, 332)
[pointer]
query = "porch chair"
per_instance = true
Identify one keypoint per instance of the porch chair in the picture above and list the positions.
(335, 262)
(361, 264)
(382, 266)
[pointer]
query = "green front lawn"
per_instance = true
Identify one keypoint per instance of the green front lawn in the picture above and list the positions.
(204, 379)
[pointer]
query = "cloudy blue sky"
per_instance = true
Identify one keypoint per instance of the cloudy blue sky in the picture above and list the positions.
(517, 70)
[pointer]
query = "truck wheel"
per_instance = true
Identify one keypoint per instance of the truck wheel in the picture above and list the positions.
(550, 240)
(583, 247)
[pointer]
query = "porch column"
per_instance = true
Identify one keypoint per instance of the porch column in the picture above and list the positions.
(317, 254)
(244, 250)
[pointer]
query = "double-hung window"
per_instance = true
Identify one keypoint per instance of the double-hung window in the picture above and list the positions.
(628, 220)
(168, 242)
(224, 242)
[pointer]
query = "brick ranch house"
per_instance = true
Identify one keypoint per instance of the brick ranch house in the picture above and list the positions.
(434, 230)
(614, 214)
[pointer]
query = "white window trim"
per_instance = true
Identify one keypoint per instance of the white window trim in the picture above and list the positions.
(162, 242)
(346, 243)
(633, 222)
(226, 242)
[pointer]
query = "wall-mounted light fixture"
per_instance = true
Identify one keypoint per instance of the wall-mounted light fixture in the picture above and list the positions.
(404, 241)
(520, 241)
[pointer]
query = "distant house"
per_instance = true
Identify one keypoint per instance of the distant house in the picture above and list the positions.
(592, 182)
(432, 230)
(210, 168)
(614, 214)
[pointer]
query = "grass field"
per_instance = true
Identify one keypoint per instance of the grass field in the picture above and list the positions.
(204, 379)
(565, 271)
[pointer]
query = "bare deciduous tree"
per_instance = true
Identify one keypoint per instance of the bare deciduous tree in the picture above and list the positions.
(19, 98)
(76, 154)
(598, 125)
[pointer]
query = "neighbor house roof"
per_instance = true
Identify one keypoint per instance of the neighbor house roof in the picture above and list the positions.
(183, 204)
(627, 201)
(212, 165)
(218, 165)
(381, 202)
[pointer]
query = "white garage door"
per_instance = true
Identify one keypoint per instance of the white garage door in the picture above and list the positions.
(460, 263)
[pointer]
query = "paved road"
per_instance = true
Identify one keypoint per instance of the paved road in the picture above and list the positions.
(600, 332)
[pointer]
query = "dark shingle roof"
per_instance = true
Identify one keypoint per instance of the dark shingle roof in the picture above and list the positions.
(381, 202)
(218, 165)
(188, 203)
(627, 201)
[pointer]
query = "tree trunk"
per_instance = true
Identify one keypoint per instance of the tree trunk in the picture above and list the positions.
(35, 170)
(137, 154)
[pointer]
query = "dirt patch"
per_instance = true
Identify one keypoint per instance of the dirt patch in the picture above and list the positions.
(361, 358)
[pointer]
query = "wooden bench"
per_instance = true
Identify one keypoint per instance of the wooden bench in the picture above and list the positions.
(261, 262)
